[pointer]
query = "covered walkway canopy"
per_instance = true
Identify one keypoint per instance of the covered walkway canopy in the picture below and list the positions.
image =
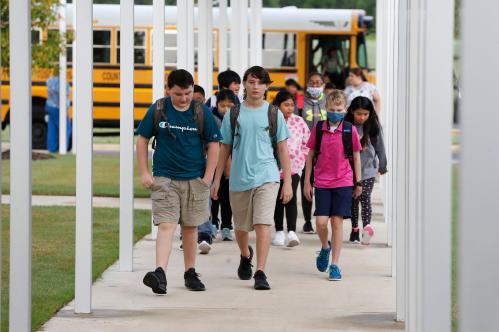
(415, 51)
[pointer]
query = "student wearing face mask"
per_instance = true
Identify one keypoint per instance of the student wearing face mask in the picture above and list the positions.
(314, 110)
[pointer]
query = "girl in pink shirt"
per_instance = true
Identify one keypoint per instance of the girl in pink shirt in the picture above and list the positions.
(298, 150)
(334, 179)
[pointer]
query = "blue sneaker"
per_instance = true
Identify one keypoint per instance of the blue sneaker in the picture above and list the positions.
(214, 231)
(322, 260)
(334, 273)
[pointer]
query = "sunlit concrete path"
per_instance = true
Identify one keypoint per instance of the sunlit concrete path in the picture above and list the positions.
(301, 299)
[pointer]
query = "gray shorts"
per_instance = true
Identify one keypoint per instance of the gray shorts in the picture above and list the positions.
(184, 201)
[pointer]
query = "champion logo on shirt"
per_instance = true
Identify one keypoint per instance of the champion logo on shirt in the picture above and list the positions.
(164, 124)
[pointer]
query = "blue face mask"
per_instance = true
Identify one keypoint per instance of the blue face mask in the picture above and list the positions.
(335, 116)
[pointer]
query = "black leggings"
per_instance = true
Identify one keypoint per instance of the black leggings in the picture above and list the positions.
(291, 208)
(222, 203)
(306, 205)
(365, 201)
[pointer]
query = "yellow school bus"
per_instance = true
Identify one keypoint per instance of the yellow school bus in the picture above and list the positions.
(294, 43)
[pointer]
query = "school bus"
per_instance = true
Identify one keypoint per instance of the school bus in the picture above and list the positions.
(294, 42)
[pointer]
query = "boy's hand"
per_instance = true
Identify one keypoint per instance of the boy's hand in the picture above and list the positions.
(147, 180)
(357, 192)
(308, 191)
(382, 171)
(286, 193)
(214, 189)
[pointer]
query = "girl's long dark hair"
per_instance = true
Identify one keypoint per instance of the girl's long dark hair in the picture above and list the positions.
(372, 126)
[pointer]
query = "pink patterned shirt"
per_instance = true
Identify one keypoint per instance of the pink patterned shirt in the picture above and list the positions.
(297, 143)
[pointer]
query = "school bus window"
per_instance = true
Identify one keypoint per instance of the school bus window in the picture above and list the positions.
(362, 51)
(102, 46)
(139, 47)
(170, 47)
(35, 37)
(279, 49)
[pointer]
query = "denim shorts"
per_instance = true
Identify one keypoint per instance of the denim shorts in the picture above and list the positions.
(333, 202)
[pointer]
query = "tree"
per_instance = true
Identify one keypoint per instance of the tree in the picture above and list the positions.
(45, 55)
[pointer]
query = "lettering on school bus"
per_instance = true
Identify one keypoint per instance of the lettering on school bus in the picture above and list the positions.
(110, 76)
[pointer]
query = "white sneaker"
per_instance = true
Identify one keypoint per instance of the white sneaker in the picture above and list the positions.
(367, 234)
(293, 240)
(278, 239)
(204, 247)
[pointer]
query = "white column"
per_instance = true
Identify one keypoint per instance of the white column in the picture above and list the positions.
(63, 109)
(126, 134)
(158, 62)
(84, 99)
(243, 37)
(182, 47)
(223, 22)
(428, 148)
(205, 45)
(256, 33)
(399, 168)
(235, 42)
(73, 103)
(478, 208)
(190, 37)
(20, 166)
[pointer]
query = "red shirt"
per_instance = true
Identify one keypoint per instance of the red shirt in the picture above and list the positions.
(333, 170)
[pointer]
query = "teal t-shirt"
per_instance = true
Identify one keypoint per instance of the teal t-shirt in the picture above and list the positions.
(253, 162)
(182, 157)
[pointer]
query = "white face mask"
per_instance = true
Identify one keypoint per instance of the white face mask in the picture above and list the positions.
(315, 92)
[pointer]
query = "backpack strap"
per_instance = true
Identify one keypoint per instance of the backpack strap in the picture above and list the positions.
(234, 114)
(347, 140)
(318, 141)
(272, 116)
(158, 115)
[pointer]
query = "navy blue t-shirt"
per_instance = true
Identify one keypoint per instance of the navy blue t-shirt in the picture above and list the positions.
(180, 158)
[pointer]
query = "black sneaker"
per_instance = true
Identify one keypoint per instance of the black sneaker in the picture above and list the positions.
(244, 271)
(192, 281)
(261, 281)
(354, 236)
(156, 280)
(307, 228)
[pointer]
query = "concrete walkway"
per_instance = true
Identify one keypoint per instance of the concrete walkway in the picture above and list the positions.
(301, 299)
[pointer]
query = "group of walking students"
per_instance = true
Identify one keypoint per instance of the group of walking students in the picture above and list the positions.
(247, 157)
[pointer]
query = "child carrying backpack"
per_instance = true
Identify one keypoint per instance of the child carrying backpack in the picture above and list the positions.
(362, 114)
(333, 144)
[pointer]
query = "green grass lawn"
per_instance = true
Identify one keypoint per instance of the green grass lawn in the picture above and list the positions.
(53, 255)
(58, 176)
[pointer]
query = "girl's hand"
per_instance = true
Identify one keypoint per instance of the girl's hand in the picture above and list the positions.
(147, 180)
(357, 192)
(382, 171)
(308, 191)
(286, 193)
(214, 189)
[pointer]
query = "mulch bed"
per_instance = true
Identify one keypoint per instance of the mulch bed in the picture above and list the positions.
(34, 155)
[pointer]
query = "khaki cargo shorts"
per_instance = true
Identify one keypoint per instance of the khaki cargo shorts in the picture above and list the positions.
(254, 207)
(184, 201)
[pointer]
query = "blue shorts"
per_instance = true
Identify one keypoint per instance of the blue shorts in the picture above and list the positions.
(333, 202)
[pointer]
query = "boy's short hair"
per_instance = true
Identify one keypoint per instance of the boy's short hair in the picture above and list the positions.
(227, 77)
(292, 82)
(181, 78)
(337, 97)
(199, 89)
(226, 94)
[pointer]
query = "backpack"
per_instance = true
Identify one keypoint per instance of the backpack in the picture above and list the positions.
(346, 138)
(160, 115)
(273, 112)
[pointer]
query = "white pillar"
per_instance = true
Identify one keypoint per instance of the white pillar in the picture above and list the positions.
(20, 166)
(84, 97)
(428, 148)
(205, 45)
(185, 35)
(400, 163)
(73, 103)
(158, 62)
(63, 109)
(235, 42)
(126, 134)
(223, 22)
(243, 37)
(256, 33)
(478, 208)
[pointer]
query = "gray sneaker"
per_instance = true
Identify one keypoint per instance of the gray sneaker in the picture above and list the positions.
(227, 235)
